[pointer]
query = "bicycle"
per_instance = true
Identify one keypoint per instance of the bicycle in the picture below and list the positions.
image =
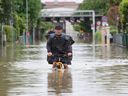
(59, 59)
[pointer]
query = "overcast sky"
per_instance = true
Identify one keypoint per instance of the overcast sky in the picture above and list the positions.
(78, 1)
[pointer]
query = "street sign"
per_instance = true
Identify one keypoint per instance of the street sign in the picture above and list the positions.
(104, 19)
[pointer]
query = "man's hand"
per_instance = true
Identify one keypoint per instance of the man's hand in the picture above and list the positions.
(49, 53)
(69, 54)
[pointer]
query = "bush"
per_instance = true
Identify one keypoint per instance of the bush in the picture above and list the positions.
(77, 27)
(124, 10)
(8, 31)
(98, 37)
(113, 29)
(46, 26)
(19, 24)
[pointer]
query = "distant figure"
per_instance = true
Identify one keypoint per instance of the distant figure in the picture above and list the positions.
(4, 39)
(111, 38)
(49, 33)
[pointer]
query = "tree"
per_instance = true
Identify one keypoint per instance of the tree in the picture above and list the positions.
(113, 15)
(6, 11)
(124, 10)
(98, 5)
(34, 10)
(15, 11)
(124, 13)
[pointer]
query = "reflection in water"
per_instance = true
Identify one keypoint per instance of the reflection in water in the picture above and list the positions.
(25, 72)
(3, 51)
(59, 82)
(113, 79)
(3, 80)
(111, 52)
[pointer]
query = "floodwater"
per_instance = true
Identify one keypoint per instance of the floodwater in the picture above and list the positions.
(95, 71)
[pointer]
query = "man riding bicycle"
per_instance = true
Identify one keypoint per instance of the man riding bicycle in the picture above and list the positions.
(59, 44)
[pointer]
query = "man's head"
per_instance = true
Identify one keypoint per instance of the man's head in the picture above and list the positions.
(58, 30)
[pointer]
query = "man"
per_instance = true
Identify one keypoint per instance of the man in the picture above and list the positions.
(57, 44)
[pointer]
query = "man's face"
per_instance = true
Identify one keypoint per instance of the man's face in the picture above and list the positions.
(58, 32)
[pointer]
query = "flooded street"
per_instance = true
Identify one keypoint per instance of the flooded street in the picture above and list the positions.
(100, 72)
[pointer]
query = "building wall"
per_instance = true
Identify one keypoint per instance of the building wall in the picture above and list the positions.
(49, 5)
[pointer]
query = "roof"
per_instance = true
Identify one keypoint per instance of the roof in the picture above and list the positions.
(49, 5)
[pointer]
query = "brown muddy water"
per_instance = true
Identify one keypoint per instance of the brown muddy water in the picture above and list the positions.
(95, 71)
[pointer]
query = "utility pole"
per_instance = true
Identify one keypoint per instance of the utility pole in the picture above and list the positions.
(11, 24)
(93, 16)
(26, 21)
(2, 29)
(94, 30)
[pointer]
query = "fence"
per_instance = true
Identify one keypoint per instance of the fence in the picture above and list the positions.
(121, 39)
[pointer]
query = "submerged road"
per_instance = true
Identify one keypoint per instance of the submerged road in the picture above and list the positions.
(25, 72)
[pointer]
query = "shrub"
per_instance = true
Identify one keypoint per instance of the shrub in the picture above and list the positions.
(8, 31)
(124, 10)
(113, 29)
(98, 37)
(76, 27)
(46, 26)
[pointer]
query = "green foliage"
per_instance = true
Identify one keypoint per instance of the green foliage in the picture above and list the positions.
(6, 11)
(114, 2)
(16, 10)
(8, 31)
(124, 10)
(98, 37)
(98, 5)
(85, 26)
(19, 24)
(124, 14)
(113, 29)
(77, 27)
(34, 10)
(46, 25)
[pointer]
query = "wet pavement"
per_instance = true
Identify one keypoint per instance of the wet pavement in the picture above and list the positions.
(95, 71)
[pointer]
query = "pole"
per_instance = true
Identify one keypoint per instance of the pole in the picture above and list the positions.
(93, 27)
(103, 35)
(108, 35)
(11, 24)
(2, 35)
(34, 35)
(2, 38)
(26, 21)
